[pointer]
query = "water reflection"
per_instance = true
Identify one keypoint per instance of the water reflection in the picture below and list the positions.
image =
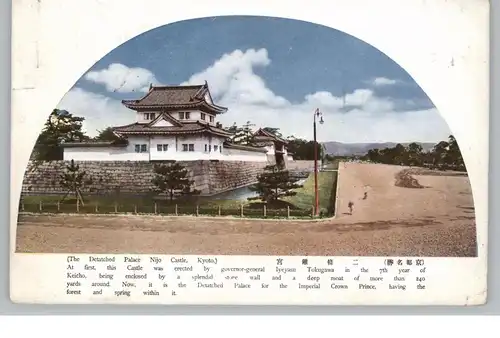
(241, 194)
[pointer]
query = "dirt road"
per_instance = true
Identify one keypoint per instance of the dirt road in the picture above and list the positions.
(391, 221)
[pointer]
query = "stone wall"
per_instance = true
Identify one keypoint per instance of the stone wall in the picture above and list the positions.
(301, 165)
(130, 177)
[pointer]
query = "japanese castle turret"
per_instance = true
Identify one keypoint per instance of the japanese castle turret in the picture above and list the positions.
(176, 123)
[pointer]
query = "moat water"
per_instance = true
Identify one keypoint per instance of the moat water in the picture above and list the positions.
(240, 194)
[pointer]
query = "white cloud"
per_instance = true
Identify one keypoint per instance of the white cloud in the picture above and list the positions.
(232, 79)
(98, 110)
(382, 81)
(122, 79)
(234, 84)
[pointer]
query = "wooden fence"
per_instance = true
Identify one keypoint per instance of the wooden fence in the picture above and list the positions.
(243, 211)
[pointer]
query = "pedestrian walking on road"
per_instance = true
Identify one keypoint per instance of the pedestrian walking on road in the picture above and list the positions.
(350, 205)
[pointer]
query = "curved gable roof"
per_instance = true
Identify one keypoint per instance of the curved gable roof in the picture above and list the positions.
(175, 97)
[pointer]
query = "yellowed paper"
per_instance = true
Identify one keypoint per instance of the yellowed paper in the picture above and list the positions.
(233, 96)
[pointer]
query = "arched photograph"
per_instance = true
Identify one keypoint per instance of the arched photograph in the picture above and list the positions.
(242, 135)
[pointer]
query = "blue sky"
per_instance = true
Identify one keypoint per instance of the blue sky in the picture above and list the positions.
(273, 72)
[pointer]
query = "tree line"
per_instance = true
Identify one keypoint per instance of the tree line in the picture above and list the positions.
(445, 155)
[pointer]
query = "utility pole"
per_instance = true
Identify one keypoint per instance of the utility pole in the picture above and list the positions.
(317, 113)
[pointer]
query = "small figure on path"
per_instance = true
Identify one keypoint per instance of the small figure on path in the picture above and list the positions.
(365, 196)
(350, 205)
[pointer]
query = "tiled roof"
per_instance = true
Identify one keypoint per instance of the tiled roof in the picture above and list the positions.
(261, 134)
(244, 147)
(185, 128)
(179, 97)
(93, 144)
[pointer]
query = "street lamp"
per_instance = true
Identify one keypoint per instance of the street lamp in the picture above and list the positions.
(317, 114)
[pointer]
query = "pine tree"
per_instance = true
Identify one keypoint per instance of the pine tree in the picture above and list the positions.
(73, 181)
(173, 180)
(273, 184)
(108, 135)
(61, 126)
(274, 131)
(241, 135)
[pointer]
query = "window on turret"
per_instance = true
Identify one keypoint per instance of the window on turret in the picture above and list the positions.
(203, 115)
(184, 115)
(149, 116)
(212, 119)
(162, 147)
(215, 148)
(141, 148)
(188, 147)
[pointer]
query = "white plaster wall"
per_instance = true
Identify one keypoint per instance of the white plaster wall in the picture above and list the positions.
(133, 140)
(270, 150)
(140, 117)
(194, 116)
(174, 151)
(158, 155)
(110, 153)
(128, 154)
(231, 154)
(103, 154)
(162, 123)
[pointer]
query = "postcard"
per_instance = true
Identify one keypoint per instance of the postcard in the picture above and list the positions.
(322, 152)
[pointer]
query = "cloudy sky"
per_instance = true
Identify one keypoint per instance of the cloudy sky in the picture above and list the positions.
(271, 72)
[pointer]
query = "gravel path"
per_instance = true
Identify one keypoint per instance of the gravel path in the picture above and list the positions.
(435, 221)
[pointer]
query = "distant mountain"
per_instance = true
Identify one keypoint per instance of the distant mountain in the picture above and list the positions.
(350, 149)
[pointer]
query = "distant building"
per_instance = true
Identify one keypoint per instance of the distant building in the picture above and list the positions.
(177, 123)
(275, 146)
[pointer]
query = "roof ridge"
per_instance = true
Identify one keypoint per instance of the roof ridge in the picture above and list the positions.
(176, 86)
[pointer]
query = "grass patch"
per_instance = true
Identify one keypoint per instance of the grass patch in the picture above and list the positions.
(150, 205)
(304, 199)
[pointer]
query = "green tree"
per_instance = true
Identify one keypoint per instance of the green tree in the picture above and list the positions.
(73, 181)
(373, 155)
(173, 179)
(398, 155)
(61, 126)
(273, 184)
(454, 156)
(242, 134)
(274, 131)
(415, 154)
(108, 135)
(302, 149)
(439, 155)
